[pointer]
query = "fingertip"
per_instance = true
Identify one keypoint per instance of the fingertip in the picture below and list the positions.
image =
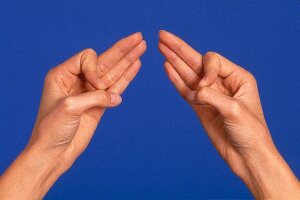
(134, 38)
(163, 31)
(142, 47)
(144, 43)
(137, 35)
(166, 35)
(138, 62)
(160, 33)
(203, 82)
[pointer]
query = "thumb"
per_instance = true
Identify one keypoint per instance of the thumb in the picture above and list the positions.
(226, 105)
(99, 98)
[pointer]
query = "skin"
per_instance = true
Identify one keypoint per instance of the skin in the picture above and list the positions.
(224, 96)
(74, 99)
(226, 100)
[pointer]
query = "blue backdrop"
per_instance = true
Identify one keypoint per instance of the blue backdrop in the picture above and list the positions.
(151, 146)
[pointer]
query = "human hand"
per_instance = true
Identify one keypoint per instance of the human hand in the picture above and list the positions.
(226, 100)
(76, 93)
(74, 98)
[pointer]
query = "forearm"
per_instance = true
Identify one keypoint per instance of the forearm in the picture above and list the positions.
(269, 176)
(31, 175)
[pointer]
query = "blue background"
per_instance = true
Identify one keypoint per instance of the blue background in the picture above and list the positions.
(152, 146)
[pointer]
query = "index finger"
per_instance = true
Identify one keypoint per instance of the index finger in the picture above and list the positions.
(111, 56)
(189, 55)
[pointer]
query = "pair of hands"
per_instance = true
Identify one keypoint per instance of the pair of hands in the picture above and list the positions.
(224, 96)
(77, 92)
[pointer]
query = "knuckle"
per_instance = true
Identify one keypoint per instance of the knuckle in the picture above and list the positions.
(111, 78)
(51, 75)
(102, 66)
(131, 56)
(185, 96)
(127, 77)
(121, 47)
(251, 77)
(176, 80)
(178, 46)
(114, 89)
(173, 58)
(192, 82)
(68, 105)
(195, 61)
(102, 85)
(166, 63)
(235, 109)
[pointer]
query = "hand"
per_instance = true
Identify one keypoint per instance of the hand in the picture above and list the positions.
(76, 94)
(226, 100)
(74, 98)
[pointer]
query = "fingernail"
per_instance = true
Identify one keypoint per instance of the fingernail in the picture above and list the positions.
(115, 99)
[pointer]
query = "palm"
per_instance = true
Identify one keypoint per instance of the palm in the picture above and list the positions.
(210, 118)
(218, 129)
(207, 113)
(213, 123)
(78, 131)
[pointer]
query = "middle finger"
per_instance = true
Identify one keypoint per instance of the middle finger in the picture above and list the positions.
(115, 72)
(190, 77)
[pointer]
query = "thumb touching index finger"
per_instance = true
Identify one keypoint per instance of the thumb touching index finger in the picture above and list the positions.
(85, 62)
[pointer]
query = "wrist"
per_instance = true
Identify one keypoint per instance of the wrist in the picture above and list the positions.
(43, 167)
(45, 158)
(31, 174)
(269, 176)
(59, 155)
(48, 159)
